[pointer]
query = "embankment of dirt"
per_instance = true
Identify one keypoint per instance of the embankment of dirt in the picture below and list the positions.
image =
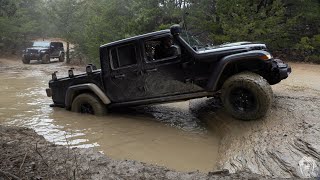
(283, 144)
(26, 155)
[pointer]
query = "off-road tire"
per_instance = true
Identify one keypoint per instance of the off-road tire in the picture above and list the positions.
(257, 87)
(61, 57)
(88, 100)
(25, 60)
(45, 59)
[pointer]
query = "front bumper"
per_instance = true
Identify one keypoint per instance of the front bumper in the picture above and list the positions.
(278, 71)
(33, 56)
(282, 69)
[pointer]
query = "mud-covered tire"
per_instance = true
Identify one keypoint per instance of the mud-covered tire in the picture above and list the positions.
(61, 57)
(87, 103)
(25, 60)
(45, 59)
(247, 96)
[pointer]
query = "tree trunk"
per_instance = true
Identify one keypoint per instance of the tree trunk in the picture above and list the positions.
(68, 53)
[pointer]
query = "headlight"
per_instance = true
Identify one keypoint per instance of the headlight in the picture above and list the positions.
(42, 51)
(266, 57)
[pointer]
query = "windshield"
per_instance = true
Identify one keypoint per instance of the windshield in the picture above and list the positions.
(192, 40)
(41, 44)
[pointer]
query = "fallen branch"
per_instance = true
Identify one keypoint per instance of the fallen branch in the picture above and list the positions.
(9, 174)
(23, 161)
(41, 155)
(221, 172)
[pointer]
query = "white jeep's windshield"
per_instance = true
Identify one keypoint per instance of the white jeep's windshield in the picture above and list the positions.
(41, 44)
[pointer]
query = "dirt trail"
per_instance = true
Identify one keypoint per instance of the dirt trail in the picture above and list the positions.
(284, 144)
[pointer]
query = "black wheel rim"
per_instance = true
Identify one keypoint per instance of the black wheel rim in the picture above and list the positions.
(243, 100)
(86, 109)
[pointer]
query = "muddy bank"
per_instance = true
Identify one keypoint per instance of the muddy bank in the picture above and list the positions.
(26, 155)
(286, 142)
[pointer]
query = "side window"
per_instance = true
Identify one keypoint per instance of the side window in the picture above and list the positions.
(123, 56)
(55, 45)
(60, 45)
(161, 49)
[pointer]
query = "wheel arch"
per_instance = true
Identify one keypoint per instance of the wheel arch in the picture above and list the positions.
(61, 52)
(233, 64)
(74, 91)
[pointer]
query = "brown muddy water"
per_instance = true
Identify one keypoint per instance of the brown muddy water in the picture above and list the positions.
(185, 136)
(166, 135)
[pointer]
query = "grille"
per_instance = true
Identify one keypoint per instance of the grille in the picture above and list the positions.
(33, 51)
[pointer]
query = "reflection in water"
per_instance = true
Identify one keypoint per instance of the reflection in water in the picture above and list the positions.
(177, 115)
(167, 135)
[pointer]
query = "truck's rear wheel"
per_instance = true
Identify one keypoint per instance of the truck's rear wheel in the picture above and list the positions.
(45, 59)
(88, 104)
(25, 60)
(247, 96)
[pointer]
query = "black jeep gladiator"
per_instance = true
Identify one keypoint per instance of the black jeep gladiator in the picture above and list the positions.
(132, 73)
(43, 51)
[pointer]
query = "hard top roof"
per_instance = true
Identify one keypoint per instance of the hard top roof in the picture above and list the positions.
(47, 42)
(167, 31)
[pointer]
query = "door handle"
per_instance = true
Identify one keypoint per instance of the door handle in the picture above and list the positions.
(151, 70)
(120, 76)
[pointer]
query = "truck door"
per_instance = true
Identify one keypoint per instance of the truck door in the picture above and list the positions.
(54, 49)
(163, 73)
(124, 81)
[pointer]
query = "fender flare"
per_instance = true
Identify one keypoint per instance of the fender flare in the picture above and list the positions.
(72, 90)
(222, 64)
(61, 53)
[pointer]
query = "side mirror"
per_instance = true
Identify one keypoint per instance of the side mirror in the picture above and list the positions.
(175, 30)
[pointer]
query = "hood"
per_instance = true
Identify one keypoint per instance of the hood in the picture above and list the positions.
(237, 46)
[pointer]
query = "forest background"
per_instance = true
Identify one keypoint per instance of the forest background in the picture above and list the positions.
(290, 28)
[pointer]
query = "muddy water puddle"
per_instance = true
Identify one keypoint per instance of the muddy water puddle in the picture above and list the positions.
(167, 135)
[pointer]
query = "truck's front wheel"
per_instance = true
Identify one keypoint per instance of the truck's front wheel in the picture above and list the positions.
(46, 59)
(88, 104)
(247, 96)
(25, 60)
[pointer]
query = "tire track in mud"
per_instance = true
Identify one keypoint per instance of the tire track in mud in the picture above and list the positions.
(284, 144)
